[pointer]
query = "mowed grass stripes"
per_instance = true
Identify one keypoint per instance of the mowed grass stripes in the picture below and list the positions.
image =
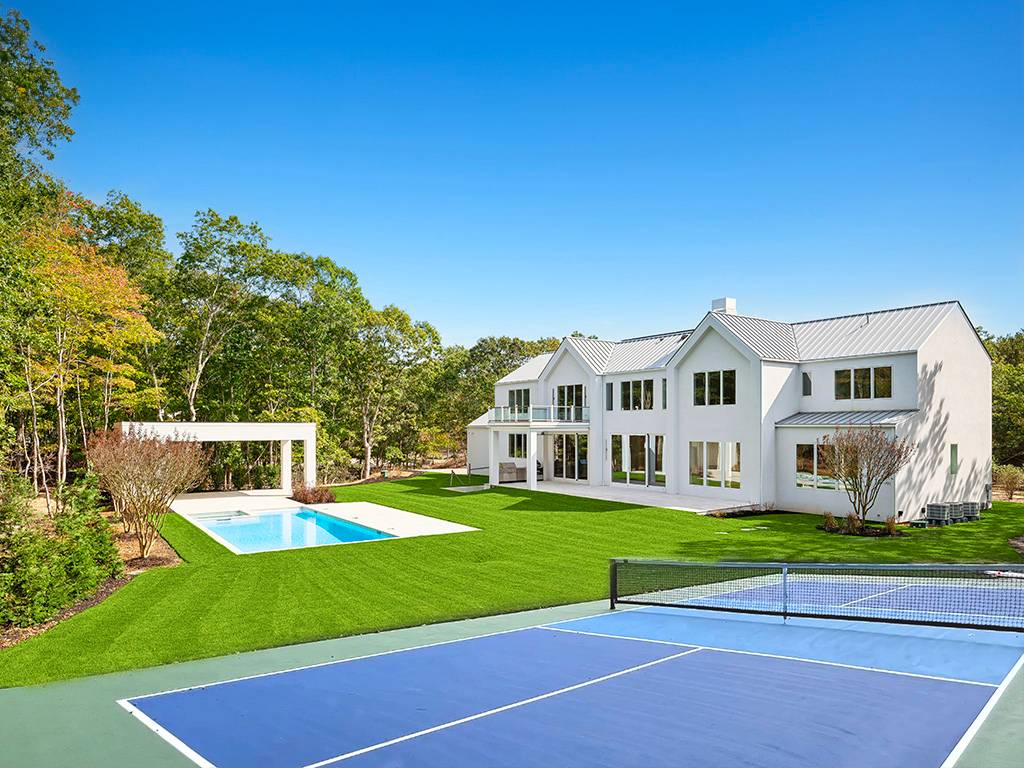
(532, 550)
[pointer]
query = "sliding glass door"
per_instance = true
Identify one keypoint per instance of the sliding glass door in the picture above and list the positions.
(638, 460)
(570, 457)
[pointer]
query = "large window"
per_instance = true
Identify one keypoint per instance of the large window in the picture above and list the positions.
(570, 399)
(696, 463)
(732, 479)
(638, 459)
(714, 388)
(883, 381)
(807, 384)
(812, 472)
(519, 400)
(843, 385)
(728, 387)
(861, 383)
(517, 446)
(637, 395)
(805, 465)
(618, 472)
(659, 460)
(715, 464)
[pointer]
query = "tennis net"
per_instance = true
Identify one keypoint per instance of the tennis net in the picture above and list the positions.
(973, 596)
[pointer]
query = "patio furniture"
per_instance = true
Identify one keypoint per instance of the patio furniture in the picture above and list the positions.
(509, 473)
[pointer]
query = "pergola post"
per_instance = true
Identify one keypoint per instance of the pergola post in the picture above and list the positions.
(286, 466)
(309, 461)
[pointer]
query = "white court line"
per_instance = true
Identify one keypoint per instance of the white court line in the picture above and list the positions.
(166, 735)
(360, 658)
(990, 705)
(778, 656)
(497, 710)
(877, 594)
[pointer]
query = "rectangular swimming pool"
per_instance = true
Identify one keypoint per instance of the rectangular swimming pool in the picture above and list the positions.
(266, 531)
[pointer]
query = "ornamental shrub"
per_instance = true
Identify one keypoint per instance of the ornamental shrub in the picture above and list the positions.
(313, 494)
(43, 571)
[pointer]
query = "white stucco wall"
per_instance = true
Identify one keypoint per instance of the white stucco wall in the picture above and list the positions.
(816, 500)
(955, 393)
(780, 397)
(720, 423)
(904, 384)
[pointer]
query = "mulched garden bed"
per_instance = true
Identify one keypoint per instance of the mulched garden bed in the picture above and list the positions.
(161, 555)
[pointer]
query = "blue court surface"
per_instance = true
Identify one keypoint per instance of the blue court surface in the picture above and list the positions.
(636, 687)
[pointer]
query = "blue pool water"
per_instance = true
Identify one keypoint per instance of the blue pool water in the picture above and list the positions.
(287, 529)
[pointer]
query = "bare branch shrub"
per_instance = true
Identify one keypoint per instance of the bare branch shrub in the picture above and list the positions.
(313, 494)
(863, 460)
(1009, 478)
(829, 522)
(146, 473)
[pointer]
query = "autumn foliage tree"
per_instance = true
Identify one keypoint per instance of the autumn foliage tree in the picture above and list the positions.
(144, 474)
(863, 460)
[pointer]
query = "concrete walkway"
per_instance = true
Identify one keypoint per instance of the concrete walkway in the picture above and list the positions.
(646, 497)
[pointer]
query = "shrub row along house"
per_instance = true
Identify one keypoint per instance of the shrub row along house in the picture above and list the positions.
(731, 412)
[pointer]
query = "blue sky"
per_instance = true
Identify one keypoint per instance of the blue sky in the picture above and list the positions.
(532, 169)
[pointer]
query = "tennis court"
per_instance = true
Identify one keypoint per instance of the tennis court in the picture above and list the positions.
(676, 683)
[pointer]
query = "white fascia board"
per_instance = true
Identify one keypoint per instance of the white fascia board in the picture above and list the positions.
(224, 431)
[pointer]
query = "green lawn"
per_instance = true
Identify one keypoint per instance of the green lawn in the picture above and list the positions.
(533, 550)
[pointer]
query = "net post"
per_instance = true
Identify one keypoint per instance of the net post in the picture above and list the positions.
(613, 583)
(785, 591)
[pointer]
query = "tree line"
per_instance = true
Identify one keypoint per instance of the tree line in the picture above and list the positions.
(100, 322)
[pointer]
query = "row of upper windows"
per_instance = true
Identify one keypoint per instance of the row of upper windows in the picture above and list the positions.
(636, 395)
(861, 383)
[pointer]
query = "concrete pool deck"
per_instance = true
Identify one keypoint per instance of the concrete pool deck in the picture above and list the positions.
(396, 522)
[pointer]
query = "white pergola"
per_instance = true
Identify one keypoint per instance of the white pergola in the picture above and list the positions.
(243, 431)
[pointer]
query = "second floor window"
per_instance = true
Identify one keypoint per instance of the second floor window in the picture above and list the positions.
(862, 383)
(609, 395)
(807, 384)
(714, 388)
(519, 399)
(637, 395)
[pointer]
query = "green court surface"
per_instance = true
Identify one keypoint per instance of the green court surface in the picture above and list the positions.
(79, 722)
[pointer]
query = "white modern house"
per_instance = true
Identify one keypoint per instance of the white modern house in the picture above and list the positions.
(730, 413)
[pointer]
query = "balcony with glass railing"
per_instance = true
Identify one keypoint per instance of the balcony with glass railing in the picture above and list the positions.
(540, 414)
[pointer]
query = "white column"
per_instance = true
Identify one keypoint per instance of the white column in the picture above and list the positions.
(309, 461)
(673, 449)
(286, 466)
(531, 460)
(492, 456)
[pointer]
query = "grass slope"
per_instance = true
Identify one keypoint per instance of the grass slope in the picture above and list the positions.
(533, 550)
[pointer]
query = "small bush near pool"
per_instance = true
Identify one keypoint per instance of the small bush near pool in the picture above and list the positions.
(47, 567)
(313, 494)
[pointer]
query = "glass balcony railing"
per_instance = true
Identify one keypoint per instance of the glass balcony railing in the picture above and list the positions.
(541, 413)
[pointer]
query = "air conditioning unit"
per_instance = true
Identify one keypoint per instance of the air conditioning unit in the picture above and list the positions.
(937, 512)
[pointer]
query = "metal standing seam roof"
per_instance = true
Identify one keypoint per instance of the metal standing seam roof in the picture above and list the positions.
(887, 331)
(870, 333)
(644, 353)
(595, 352)
(769, 339)
(528, 371)
(846, 418)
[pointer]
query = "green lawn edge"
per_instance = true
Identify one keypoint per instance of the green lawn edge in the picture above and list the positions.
(533, 550)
